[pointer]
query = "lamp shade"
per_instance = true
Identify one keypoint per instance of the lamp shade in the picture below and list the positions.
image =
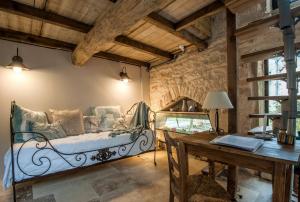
(217, 100)
(17, 63)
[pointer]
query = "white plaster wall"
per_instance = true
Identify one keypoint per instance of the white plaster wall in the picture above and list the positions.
(55, 83)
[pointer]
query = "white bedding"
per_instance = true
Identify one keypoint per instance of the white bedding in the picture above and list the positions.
(80, 143)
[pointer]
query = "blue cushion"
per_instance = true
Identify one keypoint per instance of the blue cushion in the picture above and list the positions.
(22, 121)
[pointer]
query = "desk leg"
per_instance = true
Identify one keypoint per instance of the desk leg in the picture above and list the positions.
(281, 182)
(211, 167)
(232, 180)
(289, 178)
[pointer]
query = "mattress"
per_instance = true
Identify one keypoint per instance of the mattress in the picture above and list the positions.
(34, 159)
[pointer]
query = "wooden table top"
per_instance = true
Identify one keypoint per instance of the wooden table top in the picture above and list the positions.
(271, 150)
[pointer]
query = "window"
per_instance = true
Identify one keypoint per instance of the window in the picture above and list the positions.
(273, 66)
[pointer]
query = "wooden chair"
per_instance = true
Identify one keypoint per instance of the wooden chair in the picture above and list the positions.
(297, 176)
(190, 188)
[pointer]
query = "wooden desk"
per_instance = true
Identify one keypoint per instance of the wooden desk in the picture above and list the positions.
(272, 158)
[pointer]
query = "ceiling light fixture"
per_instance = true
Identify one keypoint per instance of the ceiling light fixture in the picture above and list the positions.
(17, 64)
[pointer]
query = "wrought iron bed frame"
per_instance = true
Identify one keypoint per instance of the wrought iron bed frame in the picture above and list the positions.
(103, 155)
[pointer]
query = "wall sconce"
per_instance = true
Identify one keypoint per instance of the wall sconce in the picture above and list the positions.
(17, 64)
(124, 76)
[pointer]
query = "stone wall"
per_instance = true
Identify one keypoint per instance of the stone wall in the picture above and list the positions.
(194, 73)
(246, 89)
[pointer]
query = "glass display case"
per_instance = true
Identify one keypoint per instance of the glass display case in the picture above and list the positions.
(183, 122)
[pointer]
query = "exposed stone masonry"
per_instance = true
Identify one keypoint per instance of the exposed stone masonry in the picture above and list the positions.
(196, 73)
(193, 74)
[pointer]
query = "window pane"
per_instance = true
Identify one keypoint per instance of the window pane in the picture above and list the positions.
(274, 107)
(276, 65)
(278, 87)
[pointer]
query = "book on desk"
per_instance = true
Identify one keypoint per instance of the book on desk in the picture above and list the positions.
(239, 142)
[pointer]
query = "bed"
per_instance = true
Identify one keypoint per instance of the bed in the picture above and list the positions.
(39, 157)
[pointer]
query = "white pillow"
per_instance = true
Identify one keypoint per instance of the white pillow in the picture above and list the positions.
(108, 115)
(103, 110)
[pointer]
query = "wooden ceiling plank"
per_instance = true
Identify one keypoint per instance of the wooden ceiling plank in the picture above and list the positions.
(131, 52)
(26, 38)
(40, 14)
(159, 38)
(206, 11)
(124, 40)
(117, 20)
(240, 5)
(169, 26)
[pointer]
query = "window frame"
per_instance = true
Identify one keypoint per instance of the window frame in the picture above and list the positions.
(266, 85)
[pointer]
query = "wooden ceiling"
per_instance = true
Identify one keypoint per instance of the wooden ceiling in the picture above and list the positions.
(156, 38)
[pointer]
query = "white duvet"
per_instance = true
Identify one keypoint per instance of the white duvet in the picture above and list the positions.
(74, 144)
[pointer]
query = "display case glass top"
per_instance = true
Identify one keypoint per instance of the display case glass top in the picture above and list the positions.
(183, 122)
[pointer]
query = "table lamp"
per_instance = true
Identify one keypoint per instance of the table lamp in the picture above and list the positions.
(217, 100)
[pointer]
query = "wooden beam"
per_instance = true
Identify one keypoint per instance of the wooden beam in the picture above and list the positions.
(39, 14)
(271, 116)
(264, 23)
(124, 40)
(120, 18)
(123, 59)
(165, 24)
(206, 11)
(22, 37)
(271, 77)
(277, 98)
(26, 38)
(231, 70)
(264, 54)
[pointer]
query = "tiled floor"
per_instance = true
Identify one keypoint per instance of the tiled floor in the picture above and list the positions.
(134, 179)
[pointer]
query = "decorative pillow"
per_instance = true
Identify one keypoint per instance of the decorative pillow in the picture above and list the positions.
(22, 121)
(50, 131)
(70, 120)
(108, 115)
(91, 124)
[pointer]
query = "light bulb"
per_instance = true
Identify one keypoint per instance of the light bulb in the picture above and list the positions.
(125, 80)
(17, 70)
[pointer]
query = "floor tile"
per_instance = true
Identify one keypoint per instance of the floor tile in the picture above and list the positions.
(134, 179)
